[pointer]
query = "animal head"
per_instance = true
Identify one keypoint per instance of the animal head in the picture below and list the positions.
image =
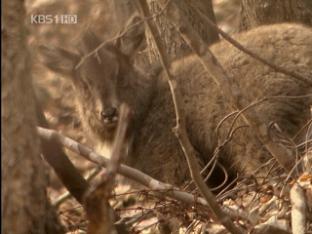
(100, 75)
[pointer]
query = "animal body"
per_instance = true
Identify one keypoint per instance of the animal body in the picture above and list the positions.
(107, 78)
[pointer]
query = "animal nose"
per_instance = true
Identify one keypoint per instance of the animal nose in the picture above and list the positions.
(109, 112)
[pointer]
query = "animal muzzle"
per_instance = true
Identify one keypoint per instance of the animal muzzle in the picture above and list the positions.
(110, 116)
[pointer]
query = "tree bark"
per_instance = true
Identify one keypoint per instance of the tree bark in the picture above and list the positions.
(173, 42)
(259, 12)
(25, 207)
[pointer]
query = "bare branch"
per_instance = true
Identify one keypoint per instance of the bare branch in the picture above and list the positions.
(227, 85)
(249, 52)
(99, 212)
(56, 157)
(180, 129)
(63, 197)
(157, 187)
(121, 34)
(124, 170)
(298, 211)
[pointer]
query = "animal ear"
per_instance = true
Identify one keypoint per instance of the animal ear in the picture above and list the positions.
(58, 59)
(132, 36)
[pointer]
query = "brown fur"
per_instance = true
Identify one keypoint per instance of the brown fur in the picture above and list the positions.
(110, 78)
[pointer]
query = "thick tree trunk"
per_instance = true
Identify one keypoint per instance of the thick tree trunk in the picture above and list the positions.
(174, 44)
(259, 12)
(25, 207)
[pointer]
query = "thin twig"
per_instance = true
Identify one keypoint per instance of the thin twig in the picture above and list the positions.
(249, 52)
(99, 212)
(63, 197)
(223, 120)
(157, 187)
(120, 139)
(180, 128)
(61, 164)
(121, 34)
(228, 87)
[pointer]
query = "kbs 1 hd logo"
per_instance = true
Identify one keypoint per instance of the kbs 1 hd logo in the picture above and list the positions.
(53, 19)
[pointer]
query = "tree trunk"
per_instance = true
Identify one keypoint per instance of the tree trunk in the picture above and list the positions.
(25, 207)
(259, 12)
(174, 44)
